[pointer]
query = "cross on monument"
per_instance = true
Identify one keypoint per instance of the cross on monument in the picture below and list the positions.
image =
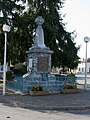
(39, 34)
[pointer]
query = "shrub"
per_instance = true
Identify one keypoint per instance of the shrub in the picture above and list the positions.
(21, 71)
(68, 86)
(9, 76)
(71, 74)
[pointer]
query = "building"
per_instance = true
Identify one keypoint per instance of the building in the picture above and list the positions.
(81, 66)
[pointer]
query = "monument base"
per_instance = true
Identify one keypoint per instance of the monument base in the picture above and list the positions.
(39, 63)
(48, 81)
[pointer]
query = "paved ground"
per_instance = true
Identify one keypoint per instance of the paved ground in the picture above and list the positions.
(16, 113)
(79, 101)
(50, 107)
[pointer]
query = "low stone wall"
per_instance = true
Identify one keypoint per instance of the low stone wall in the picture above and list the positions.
(51, 84)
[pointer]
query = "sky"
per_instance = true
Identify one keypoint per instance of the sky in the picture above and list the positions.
(78, 18)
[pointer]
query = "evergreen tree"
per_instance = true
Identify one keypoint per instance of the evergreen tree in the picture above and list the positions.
(9, 9)
(56, 38)
(65, 52)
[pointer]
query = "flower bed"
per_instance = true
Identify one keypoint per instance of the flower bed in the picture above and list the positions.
(37, 93)
(69, 89)
(37, 87)
(38, 90)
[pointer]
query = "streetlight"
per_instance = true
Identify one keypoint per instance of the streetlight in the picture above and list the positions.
(86, 39)
(6, 29)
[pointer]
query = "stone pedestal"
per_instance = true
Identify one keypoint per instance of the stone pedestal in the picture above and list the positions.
(39, 60)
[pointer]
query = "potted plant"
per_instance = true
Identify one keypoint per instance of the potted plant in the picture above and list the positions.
(38, 90)
(69, 89)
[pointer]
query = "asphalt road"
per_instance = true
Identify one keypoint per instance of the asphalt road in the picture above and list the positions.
(16, 113)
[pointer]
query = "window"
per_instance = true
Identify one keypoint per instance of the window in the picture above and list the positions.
(79, 69)
(82, 69)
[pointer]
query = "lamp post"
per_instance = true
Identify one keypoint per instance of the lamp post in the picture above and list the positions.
(86, 39)
(6, 29)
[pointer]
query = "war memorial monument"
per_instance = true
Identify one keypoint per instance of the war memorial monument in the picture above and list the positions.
(39, 63)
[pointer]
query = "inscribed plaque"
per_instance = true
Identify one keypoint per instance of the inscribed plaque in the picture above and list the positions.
(42, 64)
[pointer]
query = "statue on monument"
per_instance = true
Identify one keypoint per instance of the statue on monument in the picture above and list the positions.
(39, 34)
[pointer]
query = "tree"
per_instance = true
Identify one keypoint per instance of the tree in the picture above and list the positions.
(56, 38)
(70, 59)
(65, 52)
(9, 9)
(20, 39)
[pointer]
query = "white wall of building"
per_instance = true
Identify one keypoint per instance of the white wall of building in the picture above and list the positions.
(81, 67)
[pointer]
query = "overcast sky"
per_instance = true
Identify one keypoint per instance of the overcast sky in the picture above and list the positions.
(78, 18)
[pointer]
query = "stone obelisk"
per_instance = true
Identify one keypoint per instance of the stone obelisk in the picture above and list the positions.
(39, 56)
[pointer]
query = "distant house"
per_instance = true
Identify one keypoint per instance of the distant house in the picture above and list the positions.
(7, 68)
(81, 66)
(1, 70)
